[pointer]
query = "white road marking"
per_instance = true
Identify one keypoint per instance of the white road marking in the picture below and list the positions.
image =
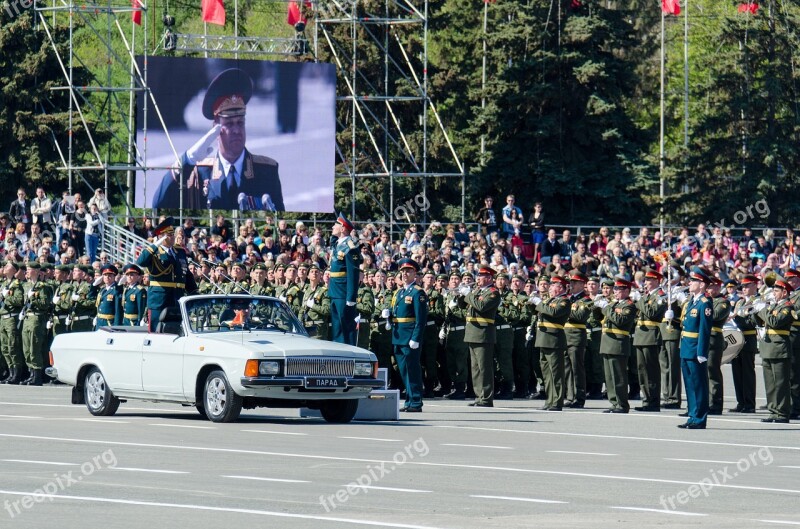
(478, 446)
(789, 466)
(662, 511)
(407, 463)
(40, 462)
(782, 522)
(511, 498)
(351, 521)
(183, 426)
(254, 478)
(373, 487)
(128, 469)
(126, 408)
(110, 421)
(372, 439)
(271, 431)
(19, 417)
(700, 461)
(580, 453)
(622, 437)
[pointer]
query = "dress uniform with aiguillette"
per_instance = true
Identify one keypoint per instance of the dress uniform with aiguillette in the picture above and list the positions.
(409, 317)
(695, 342)
(109, 300)
(343, 286)
(134, 298)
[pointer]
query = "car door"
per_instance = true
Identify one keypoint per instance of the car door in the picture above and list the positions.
(122, 359)
(162, 363)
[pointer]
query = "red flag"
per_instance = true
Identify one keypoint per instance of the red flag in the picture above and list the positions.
(575, 4)
(136, 16)
(671, 7)
(214, 12)
(294, 14)
(750, 7)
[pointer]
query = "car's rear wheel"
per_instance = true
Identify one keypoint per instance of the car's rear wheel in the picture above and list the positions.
(221, 403)
(339, 411)
(100, 400)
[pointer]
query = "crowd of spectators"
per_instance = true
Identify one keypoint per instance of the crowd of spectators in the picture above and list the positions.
(70, 231)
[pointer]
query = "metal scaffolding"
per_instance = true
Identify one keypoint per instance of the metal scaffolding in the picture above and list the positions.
(385, 116)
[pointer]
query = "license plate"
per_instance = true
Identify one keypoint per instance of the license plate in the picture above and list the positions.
(319, 383)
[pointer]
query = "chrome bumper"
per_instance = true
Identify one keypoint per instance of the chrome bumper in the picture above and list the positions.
(302, 382)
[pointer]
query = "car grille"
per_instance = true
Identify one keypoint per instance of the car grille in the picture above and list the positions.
(332, 367)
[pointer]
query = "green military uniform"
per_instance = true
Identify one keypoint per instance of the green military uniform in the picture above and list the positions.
(776, 351)
(576, 338)
(431, 341)
(62, 306)
(552, 343)
(521, 354)
(380, 340)
(722, 309)
(594, 362)
(39, 303)
(669, 359)
(480, 337)
(317, 311)
(365, 306)
(795, 362)
(84, 295)
(5, 373)
(456, 351)
(619, 319)
(507, 313)
(743, 366)
(10, 334)
(647, 342)
(265, 289)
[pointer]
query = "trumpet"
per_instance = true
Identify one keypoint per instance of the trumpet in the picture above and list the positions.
(757, 304)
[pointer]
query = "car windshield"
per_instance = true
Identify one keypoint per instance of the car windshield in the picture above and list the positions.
(240, 313)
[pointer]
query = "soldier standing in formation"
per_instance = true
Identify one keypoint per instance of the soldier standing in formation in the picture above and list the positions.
(507, 313)
(576, 338)
(430, 342)
(551, 315)
(134, 297)
(793, 278)
(10, 336)
(456, 351)
(62, 299)
(721, 311)
(33, 320)
(109, 299)
(343, 287)
(316, 306)
(365, 306)
(521, 359)
(647, 341)
(409, 317)
(480, 335)
(670, 355)
(594, 362)
(776, 352)
(743, 367)
(619, 319)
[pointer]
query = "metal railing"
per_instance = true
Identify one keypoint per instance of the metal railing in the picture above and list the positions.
(120, 244)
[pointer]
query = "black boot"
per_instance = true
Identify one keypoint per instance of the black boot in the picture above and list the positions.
(11, 374)
(28, 378)
(505, 392)
(521, 391)
(16, 376)
(4, 375)
(36, 378)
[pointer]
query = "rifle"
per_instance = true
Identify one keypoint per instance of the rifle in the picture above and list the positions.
(25, 309)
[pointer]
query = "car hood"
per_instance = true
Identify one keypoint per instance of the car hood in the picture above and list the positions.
(277, 343)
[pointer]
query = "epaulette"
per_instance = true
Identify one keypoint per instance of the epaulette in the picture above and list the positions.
(417, 287)
(207, 162)
(704, 299)
(352, 244)
(265, 160)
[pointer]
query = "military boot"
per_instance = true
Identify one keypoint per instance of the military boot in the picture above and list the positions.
(521, 391)
(16, 376)
(505, 391)
(36, 378)
(4, 375)
(28, 378)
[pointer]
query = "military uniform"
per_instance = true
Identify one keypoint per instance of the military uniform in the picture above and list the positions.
(316, 311)
(39, 302)
(721, 311)
(576, 339)
(743, 366)
(776, 353)
(134, 305)
(343, 286)
(521, 354)
(10, 334)
(456, 349)
(365, 306)
(380, 340)
(795, 362)
(696, 325)
(84, 296)
(595, 375)
(109, 301)
(62, 306)
(551, 340)
(507, 313)
(669, 359)
(430, 343)
(480, 335)
(619, 319)
(647, 342)
(409, 317)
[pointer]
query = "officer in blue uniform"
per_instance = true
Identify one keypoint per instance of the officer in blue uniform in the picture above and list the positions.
(233, 178)
(409, 318)
(168, 268)
(695, 341)
(109, 299)
(343, 287)
(134, 297)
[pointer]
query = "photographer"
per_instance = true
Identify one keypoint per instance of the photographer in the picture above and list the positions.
(94, 228)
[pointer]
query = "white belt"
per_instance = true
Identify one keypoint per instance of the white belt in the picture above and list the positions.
(6, 316)
(430, 323)
(320, 322)
(79, 318)
(499, 327)
(595, 329)
(459, 328)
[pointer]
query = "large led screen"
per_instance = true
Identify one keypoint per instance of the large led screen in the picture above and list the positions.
(237, 135)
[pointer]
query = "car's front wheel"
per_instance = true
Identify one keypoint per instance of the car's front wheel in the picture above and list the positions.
(339, 411)
(99, 399)
(221, 403)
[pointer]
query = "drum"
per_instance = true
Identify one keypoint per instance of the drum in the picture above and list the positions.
(734, 341)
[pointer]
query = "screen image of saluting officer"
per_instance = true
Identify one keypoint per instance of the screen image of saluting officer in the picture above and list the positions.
(233, 177)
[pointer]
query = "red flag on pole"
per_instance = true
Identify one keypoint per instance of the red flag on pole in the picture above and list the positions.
(294, 14)
(671, 7)
(136, 16)
(749, 7)
(214, 12)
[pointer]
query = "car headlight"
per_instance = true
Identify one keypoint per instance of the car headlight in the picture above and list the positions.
(363, 369)
(269, 368)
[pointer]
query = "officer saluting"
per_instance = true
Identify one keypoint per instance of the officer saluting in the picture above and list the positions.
(409, 318)
(109, 299)
(134, 297)
(343, 288)
(168, 268)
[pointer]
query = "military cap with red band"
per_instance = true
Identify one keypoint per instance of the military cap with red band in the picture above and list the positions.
(165, 227)
(346, 224)
(228, 94)
(486, 270)
(622, 282)
(578, 276)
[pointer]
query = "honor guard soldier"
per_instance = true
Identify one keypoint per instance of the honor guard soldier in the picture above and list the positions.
(33, 320)
(647, 341)
(793, 278)
(480, 334)
(343, 287)
(10, 335)
(5, 373)
(594, 332)
(62, 299)
(619, 320)
(317, 306)
(168, 269)
(670, 355)
(576, 335)
(456, 351)
(776, 352)
(365, 306)
(109, 299)
(409, 317)
(430, 343)
(696, 322)
(551, 315)
(722, 309)
(743, 367)
(84, 296)
(134, 297)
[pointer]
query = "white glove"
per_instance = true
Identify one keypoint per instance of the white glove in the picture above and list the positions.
(160, 240)
(464, 290)
(143, 323)
(453, 304)
(759, 306)
(413, 345)
(49, 324)
(350, 303)
(68, 321)
(681, 297)
(310, 303)
(5, 292)
(601, 303)
(528, 336)
(56, 299)
(94, 322)
(388, 325)
(282, 298)
(534, 300)
(123, 280)
(203, 147)
(669, 315)
(30, 293)
(21, 316)
(98, 281)
(385, 313)
(702, 359)
(75, 297)
(442, 334)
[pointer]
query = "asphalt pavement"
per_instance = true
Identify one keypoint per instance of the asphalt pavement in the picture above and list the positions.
(163, 465)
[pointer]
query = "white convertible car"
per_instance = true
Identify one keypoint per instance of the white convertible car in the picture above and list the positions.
(220, 354)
